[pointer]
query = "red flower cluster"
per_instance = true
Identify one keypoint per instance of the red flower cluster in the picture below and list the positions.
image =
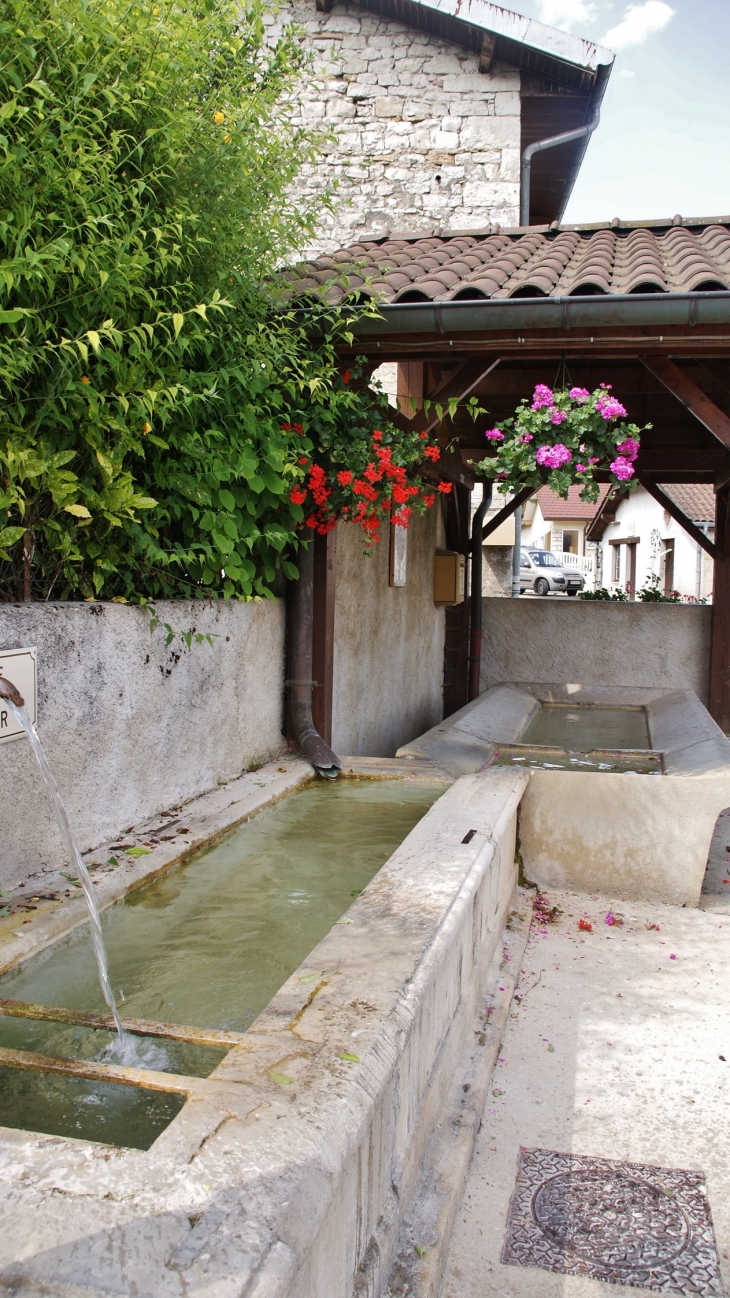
(292, 428)
(381, 491)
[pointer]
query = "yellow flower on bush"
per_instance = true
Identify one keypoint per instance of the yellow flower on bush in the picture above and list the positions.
(85, 380)
(218, 118)
(147, 428)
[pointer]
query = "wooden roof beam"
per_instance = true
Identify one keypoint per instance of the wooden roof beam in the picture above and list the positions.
(508, 510)
(457, 387)
(677, 514)
(687, 392)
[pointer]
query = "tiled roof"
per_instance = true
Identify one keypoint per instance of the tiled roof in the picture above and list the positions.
(696, 500)
(554, 507)
(524, 263)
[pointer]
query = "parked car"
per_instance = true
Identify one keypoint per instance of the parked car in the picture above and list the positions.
(542, 572)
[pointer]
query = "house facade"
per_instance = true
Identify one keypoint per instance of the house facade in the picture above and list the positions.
(642, 545)
(430, 111)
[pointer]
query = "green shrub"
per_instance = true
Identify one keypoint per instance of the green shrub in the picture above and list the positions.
(146, 154)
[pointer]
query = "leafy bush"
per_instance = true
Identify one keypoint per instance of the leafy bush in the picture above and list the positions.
(146, 384)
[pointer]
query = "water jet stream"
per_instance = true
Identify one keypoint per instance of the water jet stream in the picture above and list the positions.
(15, 701)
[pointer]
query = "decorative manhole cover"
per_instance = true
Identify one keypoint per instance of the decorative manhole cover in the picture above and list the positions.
(623, 1223)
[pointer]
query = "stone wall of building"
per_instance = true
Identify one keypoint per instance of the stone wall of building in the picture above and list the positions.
(423, 139)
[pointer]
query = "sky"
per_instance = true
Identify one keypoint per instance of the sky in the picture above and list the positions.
(663, 145)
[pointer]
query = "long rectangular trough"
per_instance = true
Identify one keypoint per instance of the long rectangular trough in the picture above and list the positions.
(290, 1170)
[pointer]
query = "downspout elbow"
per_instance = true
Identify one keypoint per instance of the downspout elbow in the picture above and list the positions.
(538, 146)
(314, 747)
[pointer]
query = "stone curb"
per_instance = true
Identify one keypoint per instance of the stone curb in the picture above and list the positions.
(429, 1222)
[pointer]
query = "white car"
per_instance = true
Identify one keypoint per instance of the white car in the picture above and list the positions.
(542, 572)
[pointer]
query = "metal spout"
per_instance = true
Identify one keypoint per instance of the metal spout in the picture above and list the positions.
(9, 691)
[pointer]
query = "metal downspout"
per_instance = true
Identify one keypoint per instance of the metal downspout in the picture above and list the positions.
(475, 633)
(324, 761)
(538, 146)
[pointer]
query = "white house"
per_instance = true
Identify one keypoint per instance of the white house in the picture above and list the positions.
(641, 544)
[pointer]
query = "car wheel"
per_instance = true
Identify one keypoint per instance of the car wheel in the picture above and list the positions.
(572, 592)
(541, 586)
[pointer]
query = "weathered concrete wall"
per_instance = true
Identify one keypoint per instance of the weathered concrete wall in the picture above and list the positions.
(389, 643)
(423, 138)
(497, 571)
(665, 646)
(132, 727)
(628, 835)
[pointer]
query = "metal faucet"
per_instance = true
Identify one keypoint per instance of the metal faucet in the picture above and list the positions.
(9, 691)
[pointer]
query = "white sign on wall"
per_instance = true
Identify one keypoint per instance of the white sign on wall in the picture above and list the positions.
(19, 666)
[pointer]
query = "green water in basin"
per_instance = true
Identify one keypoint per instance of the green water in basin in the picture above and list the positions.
(207, 944)
(587, 729)
(583, 738)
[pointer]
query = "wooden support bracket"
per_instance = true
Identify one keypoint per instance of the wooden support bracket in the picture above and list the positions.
(505, 513)
(696, 401)
(459, 386)
(677, 514)
(486, 57)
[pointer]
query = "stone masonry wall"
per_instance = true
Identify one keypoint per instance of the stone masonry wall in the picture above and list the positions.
(423, 139)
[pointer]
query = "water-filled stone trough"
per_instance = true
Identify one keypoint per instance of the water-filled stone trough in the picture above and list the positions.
(311, 1071)
(628, 806)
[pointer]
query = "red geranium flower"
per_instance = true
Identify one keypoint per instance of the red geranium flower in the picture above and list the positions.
(344, 477)
(377, 435)
(297, 496)
(445, 487)
(432, 452)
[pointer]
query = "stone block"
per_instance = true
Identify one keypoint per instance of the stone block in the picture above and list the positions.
(448, 140)
(337, 108)
(507, 103)
(342, 23)
(388, 107)
(442, 65)
(358, 90)
(467, 83)
(354, 65)
(509, 168)
(484, 132)
(414, 110)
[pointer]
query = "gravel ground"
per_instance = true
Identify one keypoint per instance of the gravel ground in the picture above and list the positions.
(614, 1049)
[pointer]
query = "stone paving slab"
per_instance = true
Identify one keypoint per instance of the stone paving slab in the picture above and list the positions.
(617, 1047)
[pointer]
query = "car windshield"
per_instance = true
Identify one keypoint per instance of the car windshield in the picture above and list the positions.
(544, 559)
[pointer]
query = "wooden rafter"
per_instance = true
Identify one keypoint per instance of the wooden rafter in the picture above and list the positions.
(686, 391)
(457, 387)
(505, 513)
(677, 514)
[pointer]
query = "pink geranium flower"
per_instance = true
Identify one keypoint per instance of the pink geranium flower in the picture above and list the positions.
(629, 449)
(622, 468)
(579, 394)
(542, 396)
(610, 408)
(558, 416)
(494, 435)
(553, 456)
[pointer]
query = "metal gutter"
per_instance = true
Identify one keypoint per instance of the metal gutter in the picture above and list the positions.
(490, 314)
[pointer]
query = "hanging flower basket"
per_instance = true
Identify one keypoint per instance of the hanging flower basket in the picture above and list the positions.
(563, 438)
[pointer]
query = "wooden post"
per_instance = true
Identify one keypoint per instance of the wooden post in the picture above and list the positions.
(323, 631)
(720, 650)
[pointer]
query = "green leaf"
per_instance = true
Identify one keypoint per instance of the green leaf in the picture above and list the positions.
(352, 1059)
(9, 535)
(312, 977)
(137, 851)
(281, 1079)
(178, 321)
(94, 339)
(78, 511)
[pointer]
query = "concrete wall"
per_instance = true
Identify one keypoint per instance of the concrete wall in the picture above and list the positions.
(666, 646)
(423, 138)
(132, 727)
(389, 643)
